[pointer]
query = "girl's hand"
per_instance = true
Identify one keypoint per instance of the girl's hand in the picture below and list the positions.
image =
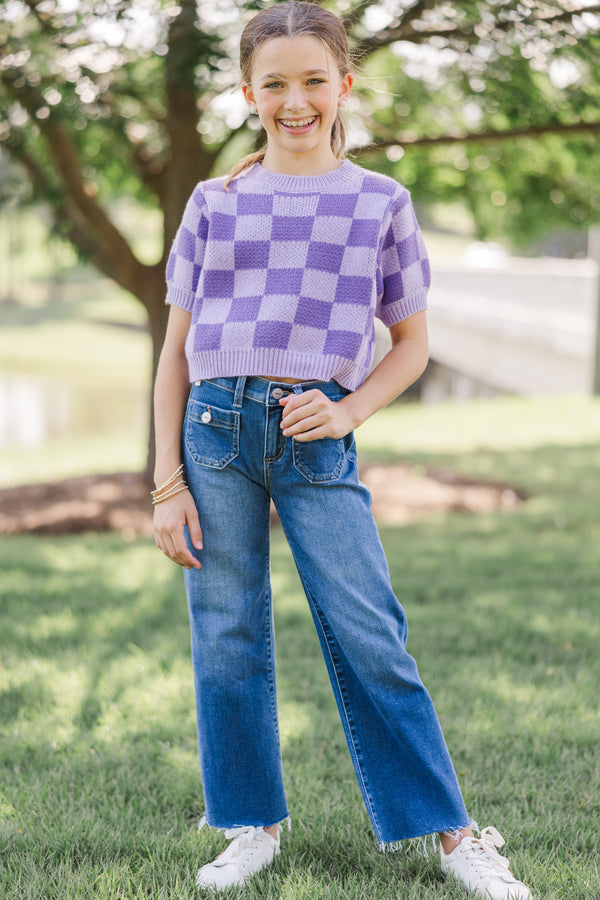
(312, 415)
(170, 518)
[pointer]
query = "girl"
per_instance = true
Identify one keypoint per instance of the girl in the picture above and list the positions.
(274, 280)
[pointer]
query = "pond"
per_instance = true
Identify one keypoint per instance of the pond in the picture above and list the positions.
(36, 409)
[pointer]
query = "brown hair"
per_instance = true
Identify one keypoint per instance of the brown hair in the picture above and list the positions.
(291, 19)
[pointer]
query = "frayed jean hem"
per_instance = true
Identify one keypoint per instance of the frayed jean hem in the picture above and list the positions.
(421, 843)
(204, 823)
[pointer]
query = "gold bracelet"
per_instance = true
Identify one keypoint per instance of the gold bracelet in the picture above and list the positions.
(178, 489)
(169, 481)
(164, 492)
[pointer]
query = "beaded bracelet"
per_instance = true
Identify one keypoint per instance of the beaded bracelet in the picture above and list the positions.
(169, 481)
(176, 489)
(174, 485)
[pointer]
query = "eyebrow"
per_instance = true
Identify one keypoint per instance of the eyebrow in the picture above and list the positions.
(308, 72)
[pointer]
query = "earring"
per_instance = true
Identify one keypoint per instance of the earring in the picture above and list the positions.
(341, 102)
(253, 110)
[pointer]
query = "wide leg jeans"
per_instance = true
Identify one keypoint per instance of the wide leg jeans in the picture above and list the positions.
(236, 461)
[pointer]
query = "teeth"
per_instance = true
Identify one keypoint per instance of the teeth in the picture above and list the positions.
(298, 123)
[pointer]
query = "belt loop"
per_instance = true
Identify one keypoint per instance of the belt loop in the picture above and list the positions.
(239, 391)
(297, 388)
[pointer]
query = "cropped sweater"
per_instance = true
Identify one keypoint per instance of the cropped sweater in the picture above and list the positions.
(284, 274)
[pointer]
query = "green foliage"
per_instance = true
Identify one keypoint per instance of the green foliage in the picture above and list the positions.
(537, 82)
(112, 77)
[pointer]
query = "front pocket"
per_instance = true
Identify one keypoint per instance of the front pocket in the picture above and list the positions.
(319, 461)
(212, 435)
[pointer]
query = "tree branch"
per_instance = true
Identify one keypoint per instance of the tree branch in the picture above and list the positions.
(481, 137)
(466, 30)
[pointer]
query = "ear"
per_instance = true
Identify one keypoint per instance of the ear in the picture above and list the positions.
(249, 96)
(345, 88)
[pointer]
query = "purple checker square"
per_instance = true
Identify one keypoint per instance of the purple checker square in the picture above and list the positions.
(353, 289)
(244, 309)
(272, 334)
(251, 254)
(363, 233)
(343, 343)
(337, 205)
(222, 227)
(315, 313)
(186, 245)
(284, 281)
(196, 276)
(218, 282)
(426, 271)
(393, 288)
(389, 240)
(254, 205)
(325, 257)
(170, 271)
(408, 250)
(207, 337)
(286, 229)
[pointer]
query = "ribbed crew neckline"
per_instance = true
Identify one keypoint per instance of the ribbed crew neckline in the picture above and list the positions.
(299, 184)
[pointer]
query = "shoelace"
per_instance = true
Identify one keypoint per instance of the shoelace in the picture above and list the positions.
(484, 850)
(243, 842)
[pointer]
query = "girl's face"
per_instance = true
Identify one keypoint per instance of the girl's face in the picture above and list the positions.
(296, 88)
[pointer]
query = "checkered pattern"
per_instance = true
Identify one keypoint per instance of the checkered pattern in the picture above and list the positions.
(283, 275)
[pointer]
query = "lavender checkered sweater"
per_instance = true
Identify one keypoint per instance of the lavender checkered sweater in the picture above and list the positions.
(283, 274)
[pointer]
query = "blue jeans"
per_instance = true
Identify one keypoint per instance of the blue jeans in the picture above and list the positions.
(236, 460)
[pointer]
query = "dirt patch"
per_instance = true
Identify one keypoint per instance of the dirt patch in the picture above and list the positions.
(121, 502)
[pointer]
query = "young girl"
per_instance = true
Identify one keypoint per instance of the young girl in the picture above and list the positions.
(275, 277)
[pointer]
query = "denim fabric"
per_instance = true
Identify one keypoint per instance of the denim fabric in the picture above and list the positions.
(236, 460)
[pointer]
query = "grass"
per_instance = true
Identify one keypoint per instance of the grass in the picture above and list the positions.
(99, 785)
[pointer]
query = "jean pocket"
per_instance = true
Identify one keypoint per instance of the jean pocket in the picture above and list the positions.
(212, 435)
(323, 460)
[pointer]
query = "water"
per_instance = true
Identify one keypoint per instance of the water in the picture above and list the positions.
(35, 409)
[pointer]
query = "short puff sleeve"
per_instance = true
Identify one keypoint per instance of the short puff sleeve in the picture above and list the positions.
(187, 253)
(405, 274)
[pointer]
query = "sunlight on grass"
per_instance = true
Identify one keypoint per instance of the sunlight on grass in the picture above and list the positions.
(295, 721)
(506, 423)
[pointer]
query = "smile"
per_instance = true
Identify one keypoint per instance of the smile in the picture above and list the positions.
(298, 123)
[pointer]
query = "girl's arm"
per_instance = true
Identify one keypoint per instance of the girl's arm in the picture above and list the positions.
(312, 415)
(170, 398)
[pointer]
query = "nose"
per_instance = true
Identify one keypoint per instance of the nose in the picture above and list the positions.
(295, 99)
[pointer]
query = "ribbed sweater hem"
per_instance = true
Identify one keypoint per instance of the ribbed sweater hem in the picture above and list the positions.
(275, 363)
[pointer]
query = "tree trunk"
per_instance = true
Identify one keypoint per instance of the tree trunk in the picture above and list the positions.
(158, 312)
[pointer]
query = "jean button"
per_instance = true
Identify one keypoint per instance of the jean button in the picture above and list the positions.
(278, 393)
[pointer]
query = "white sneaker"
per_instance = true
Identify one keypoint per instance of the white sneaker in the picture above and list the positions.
(481, 870)
(250, 851)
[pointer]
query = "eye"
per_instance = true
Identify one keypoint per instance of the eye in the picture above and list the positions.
(316, 81)
(272, 85)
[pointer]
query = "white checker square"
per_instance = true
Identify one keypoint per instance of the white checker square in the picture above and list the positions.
(308, 340)
(238, 335)
(321, 285)
(221, 256)
(358, 261)
(249, 282)
(350, 317)
(288, 254)
(213, 311)
(332, 229)
(278, 308)
(253, 228)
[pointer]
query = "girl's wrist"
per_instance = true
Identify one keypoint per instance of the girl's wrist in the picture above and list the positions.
(164, 470)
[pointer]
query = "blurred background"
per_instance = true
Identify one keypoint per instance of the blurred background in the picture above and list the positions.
(110, 112)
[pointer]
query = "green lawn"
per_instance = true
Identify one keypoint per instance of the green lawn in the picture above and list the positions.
(99, 784)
